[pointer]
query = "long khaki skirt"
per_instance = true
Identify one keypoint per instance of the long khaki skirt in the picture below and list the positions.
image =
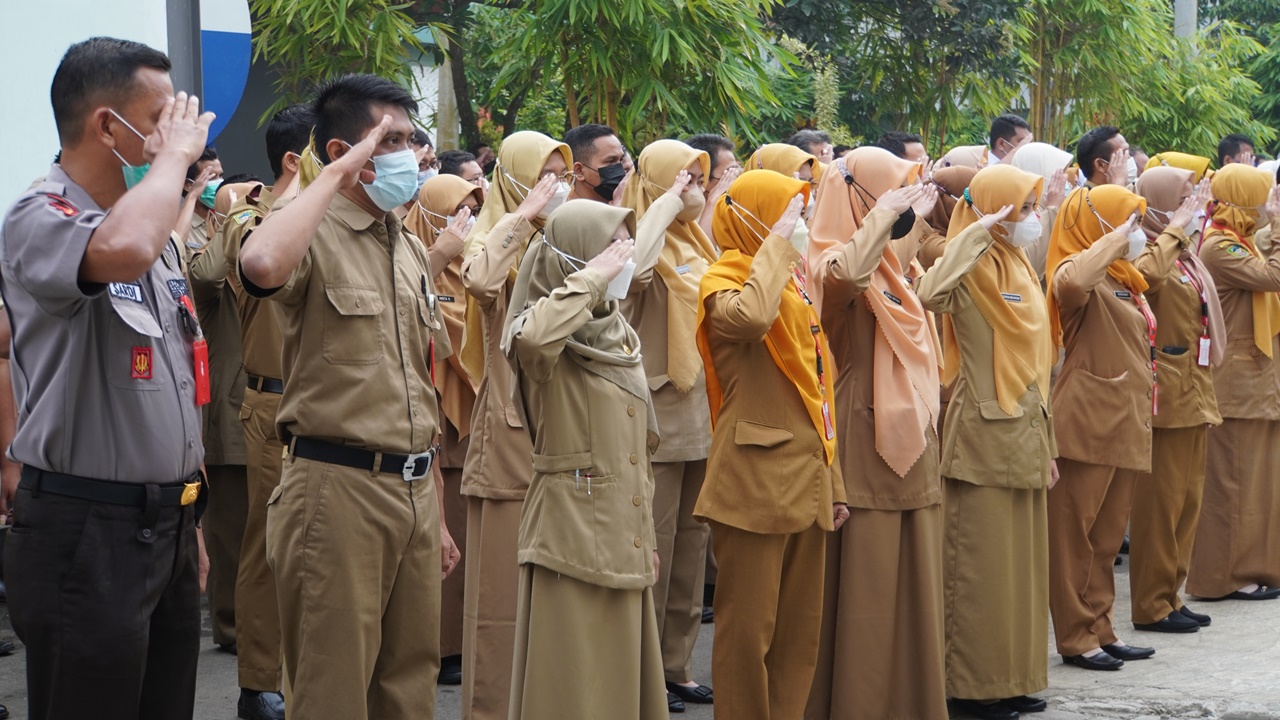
(996, 588)
(584, 651)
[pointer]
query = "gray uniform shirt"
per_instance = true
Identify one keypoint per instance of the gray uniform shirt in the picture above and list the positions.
(102, 374)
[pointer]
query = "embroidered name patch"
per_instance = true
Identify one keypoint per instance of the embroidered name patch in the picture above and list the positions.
(682, 269)
(1124, 294)
(177, 288)
(891, 297)
(1011, 297)
(125, 291)
(446, 298)
(141, 367)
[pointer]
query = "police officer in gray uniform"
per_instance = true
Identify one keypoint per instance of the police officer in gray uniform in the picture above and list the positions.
(108, 371)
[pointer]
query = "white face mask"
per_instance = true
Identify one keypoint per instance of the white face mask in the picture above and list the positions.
(800, 237)
(621, 285)
(1024, 233)
(1132, 170)
(1137, 243)
(562, 194)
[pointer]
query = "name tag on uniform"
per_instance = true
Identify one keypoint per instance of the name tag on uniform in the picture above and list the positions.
(1011, 297)
(125, 291)
(891, 297)
(177, 288)
(682, 269)
(445, 298)
(1124, 294)
(1184, 279)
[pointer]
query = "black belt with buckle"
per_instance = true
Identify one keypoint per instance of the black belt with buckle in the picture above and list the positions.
(266, 385)
(410, 467)
(104, 491)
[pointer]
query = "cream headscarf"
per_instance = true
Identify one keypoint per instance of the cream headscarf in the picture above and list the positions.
(522, 157)
(974, 156)
(1236, 189)
(686, 253)
(785, 159)
(1040, 159)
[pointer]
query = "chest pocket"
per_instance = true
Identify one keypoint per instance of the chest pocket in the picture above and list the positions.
(133, 335)
(353, 325)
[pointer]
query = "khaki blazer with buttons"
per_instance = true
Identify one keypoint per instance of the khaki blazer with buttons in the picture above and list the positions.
(766, 472)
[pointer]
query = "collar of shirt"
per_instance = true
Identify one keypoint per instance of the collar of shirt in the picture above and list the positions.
(71, 190)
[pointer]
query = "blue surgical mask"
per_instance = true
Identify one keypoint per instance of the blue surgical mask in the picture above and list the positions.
(425, 175)
(210, 193)
(133, 174)
(396, 179)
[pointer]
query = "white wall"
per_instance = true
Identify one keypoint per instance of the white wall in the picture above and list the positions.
(33, 38)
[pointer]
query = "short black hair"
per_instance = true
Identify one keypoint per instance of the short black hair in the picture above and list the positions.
(241, 178)
(421, 138)
(1006, 127)
(712, 145)
(582, 140)
(1096, 144)
(1230, 145)
(896, 142)
(807, 138)
(210, 153)
(839, 150)
(341, 108)
(288, 132)
(100, 69)
(451, 161)
(475, 149)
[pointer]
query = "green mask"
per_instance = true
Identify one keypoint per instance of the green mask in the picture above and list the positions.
(210, 193)
(133, 174)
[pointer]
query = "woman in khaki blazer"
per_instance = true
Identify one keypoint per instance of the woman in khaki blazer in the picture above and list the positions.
(884, 568)
(997, 448)
(1103, 405)
(1237, 551)
(586, 635)
(773, 489)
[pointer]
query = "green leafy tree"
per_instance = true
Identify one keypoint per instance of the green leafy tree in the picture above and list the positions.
(1261, 20)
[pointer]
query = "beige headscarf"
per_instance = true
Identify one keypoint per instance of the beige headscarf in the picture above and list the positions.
(785, 159)
(686, 254)
(522, 156)
(1040, 159)
(974, 156)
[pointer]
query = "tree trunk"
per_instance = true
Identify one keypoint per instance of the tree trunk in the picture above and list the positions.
(467, 117)
(570, 97)
(517, 101)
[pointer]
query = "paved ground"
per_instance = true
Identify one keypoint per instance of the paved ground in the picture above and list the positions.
(1230, 671)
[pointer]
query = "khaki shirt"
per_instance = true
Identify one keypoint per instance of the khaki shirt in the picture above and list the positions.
(589, 510)
(981, 444)
(1186, 388)
(767, 471)
(498, 465)
(197, 238)
(260, 338)
(358, 318)
(102, 374)
(1102, 399)
(216, 305)
(1247, 384)
(851, 328)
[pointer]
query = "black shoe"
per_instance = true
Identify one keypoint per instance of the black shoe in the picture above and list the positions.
(1119, 561)
(674, 704)
(254, 705)
(1128, 652)
(1201, 619)
(1124, 546)
(708, 615)
(1101, 661)
(450, 670)
(1262, 593)
(985, 711)
(1025, 704)
(699, 695)
(7, 648)
(1175, 622)
(229, 648)
(4, 713)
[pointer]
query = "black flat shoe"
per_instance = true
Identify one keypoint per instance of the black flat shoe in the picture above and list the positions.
(7, 648)
(1124, 546)
(4, 713)
(254, 705)
(699, 695)
(229, 648)
(1200, 619)
(1025, 704)
(1128, 652)
(1101, 661)
(1175, 622)
(450, 670)
(1262, 593)
(708, 615)
(984, 711)
(674, 704)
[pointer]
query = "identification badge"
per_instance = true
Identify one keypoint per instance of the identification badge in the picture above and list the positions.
(826, 420)
(140, 367)
(125, 291)
(200, 351)
(891, 297)
(177, 288)
(1011, 297)
(1184, 279)
(446, 298)
(682, 269)
(1203, 358)
(1124, 294)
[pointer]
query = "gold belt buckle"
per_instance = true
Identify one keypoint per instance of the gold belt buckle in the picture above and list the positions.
(190, 492)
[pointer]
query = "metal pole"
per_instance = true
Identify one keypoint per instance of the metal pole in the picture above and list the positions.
(184, 44)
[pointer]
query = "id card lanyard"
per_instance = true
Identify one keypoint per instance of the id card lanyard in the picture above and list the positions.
(828, 427)
(199, 347)
(1202, 355)
(1150, 317)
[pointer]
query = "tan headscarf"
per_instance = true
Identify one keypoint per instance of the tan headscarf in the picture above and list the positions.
(785, 159)
(686, 253)
(906, 358)
(442, 195)
(1022, 349)
(605, 345)
(974, 156)
(952, 181)
(1237, 189)
(522, 156)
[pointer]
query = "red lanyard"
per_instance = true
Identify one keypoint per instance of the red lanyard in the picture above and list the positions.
(1202, 356)
(816, 329)
(1150, 317)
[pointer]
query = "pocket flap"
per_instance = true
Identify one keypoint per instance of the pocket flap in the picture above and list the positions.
(561, 463)
(750, 433)
(656, 382)
(350, 300)
(513, 417)
(136, 316)
(991, 410)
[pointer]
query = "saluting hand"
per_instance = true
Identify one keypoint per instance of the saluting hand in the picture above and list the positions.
(682, 182)
(989, 220)
(181, 129)
(611, 260)
(538, 197)
(459, 225)
(1194, 202)
(786, 224)
(350, 168)
(898, 200)
(928, 198)
(1118, 170)
(1057, 190)
(1273, 207)
(722, 185)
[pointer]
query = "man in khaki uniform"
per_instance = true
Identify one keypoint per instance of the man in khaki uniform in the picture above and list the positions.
(354, 530)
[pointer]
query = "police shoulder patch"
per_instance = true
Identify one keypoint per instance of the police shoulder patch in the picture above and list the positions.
(62, 206)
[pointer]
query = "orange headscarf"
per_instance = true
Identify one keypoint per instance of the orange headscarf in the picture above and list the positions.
(905, 354)
(790, 340)
(1078, 228)
(1023, 352)
(1237, 189)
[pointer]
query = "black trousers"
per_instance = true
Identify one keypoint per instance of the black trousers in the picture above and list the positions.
(106, 599)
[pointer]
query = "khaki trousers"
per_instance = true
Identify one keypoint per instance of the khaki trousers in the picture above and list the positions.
(223, 524)
(1238, 542)
(357, 563)
(257, 608)
(1166, 512)
(682, 549)
(768, 620)
(489, 613)
(1088, 513)
(453, 589)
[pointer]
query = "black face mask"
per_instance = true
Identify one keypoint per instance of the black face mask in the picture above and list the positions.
(610, 178)
(903, 224)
